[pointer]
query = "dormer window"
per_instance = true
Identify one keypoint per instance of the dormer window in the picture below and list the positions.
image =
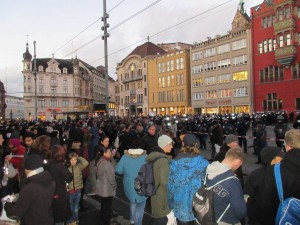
(41, 69)
(65, 71)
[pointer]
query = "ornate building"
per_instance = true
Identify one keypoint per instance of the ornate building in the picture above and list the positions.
(132, 83)
(64, 87)
(221, 70)
(14, 107)
(276, 55)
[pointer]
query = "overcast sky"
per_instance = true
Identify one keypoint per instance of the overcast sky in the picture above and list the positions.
(54, 23)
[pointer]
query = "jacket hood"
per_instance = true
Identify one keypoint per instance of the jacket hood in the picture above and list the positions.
(188, 160)
(215, 169)
(154, 155)
(135, 153)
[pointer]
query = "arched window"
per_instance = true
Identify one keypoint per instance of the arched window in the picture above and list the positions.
(41, 69)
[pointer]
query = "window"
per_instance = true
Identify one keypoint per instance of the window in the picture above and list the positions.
(280, 14)
(210, 66)
(53, 90)
(65, 70)
(298, 13)
(209, 52)
(265, 46)
(145, 78)
(28, 79)
(272, 103)
(197, 69)
(65, 103)
(225, 93)
(24, 79)
(239, 60)
(168, 66)
(211, 94)
(29, 89)
(126, 87)
(240, 76)
(172, 65)
(197, 55)
(197, 82)
(240, 92)
(139, 98)
(53, 80)
(281, 41)
(162, 82)
(260, 48)
(41, 103)
(159, 67)
(239, 44)
(270, 42)
(65, 90)
(197, 96)
(181, 63)
(224, 63)
(288, 39)
(210, 80)
(177, 64)
(225, 78)
(274, 45)
(287, 12)
(41, 89)
(173, 81)
(168, 81)
(223, 48)
(145, 91)
(41, 69)
(169, 96)
(181, 79)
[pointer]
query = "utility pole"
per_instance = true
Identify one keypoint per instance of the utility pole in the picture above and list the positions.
(34, 74)
(104, 37)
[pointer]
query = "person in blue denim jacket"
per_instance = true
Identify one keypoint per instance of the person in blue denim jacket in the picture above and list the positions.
(186, 173)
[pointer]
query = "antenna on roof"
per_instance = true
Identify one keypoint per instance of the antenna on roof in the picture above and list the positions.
(148, 38)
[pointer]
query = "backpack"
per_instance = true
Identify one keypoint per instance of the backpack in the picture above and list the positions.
(144, 182)
(203, 204)
(288, 211)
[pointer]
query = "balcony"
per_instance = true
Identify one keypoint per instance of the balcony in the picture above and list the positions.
(286, 55)
(132, 91)
(283, 25)
(138, 77)
(126, 80)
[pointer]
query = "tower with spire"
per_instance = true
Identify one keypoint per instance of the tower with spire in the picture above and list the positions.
(27, 57)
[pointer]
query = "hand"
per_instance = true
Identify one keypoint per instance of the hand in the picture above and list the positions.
(8, 157)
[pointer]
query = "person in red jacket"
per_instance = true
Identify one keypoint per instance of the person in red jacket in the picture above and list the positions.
(17, 153)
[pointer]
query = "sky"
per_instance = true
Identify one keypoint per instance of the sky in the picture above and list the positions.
(72, 27)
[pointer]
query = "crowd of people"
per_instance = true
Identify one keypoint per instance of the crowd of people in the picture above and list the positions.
(51, 165)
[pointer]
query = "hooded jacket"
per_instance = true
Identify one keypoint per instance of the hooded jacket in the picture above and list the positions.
(34, 205)
(159, 201)
(228, 191)
(268, 196)
(186, 173)
(129, 165)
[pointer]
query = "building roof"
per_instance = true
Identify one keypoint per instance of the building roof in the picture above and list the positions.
(26, 55)
(146, 49)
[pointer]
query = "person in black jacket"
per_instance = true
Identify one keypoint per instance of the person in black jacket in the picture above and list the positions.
(269, 156)
(61, 176)
(149, 140)
(34, 205)
(290, 170)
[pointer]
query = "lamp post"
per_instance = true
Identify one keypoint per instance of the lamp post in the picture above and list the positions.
(104, 37)
(34, 74)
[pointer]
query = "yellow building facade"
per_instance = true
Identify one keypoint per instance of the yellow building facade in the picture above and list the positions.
(169, 83)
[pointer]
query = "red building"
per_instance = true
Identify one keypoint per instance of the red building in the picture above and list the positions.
(276, 55)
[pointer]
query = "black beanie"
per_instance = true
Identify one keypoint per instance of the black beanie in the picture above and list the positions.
(32, 162)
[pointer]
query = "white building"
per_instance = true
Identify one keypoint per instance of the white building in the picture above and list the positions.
(64, 87)
(14, 107)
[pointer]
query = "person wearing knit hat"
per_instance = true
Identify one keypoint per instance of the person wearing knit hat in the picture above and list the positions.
(36, 196)
(17, 153)
(230, 138)
(161, 167)
(190, 140)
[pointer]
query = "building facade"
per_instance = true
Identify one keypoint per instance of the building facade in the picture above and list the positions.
(14, 107)
(60, 88)
(276, 55)
(169, 82)
(132, 83)
(221, 70)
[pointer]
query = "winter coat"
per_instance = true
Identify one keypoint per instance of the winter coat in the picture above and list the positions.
(129, 165)
(76, 171)
(186, 173)
(148, 142)
(61, 203)
(217, 133)
(105, 178)
(34, 205)
(159, 201)
(268, 200)
(17, 161)
(229, 191)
